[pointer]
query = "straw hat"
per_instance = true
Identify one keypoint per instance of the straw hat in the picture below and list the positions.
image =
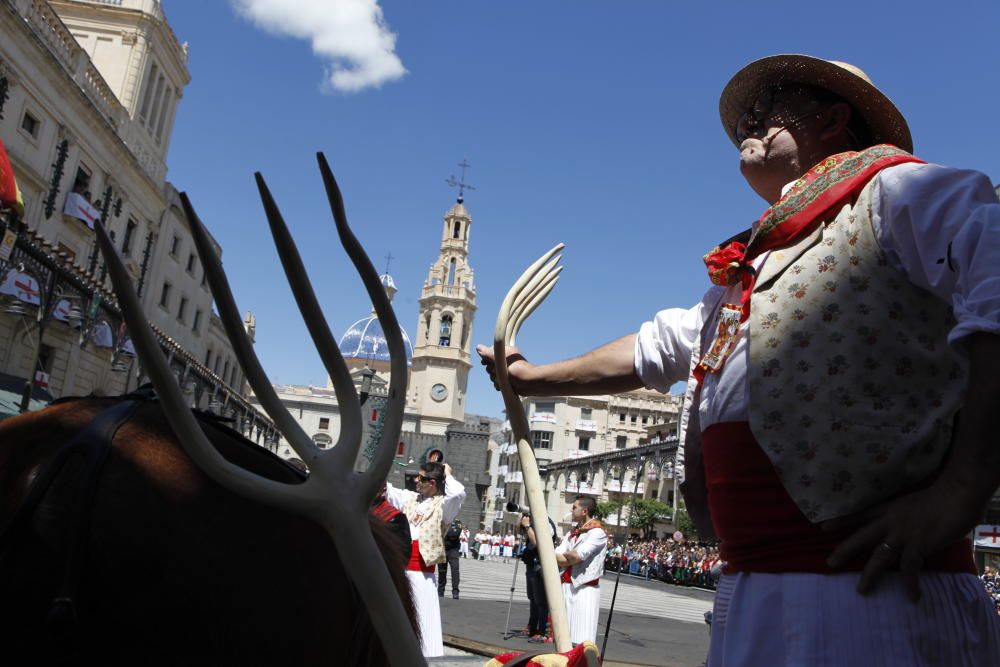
(883, 118)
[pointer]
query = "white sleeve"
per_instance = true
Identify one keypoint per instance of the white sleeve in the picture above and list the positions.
(397, 497)
(454, 496)
(592, 543)
(941, 227)
(564, 545)
(663, 346)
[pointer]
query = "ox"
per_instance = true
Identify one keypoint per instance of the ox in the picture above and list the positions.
(134, 532)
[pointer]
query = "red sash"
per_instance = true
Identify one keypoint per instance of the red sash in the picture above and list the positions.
(761, 528)
(417, 562)
(385, 511)
(567, 578)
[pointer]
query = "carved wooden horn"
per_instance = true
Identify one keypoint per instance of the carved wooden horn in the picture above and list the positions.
(334, 495)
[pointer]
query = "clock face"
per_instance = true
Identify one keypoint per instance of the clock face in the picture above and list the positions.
(439, 392)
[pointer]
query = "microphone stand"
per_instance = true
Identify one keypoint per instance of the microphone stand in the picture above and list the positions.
(618, 577)
(507, 634)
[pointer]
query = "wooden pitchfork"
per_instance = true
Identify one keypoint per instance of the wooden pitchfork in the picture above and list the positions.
(333, 495)
(527, 294)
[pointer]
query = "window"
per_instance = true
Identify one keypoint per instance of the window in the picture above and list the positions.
(175, 246)
(182, 309)
(451, 271)
(401, 448)
(225, 370)
(545, 406)
(645, 419)
(208, 358)
(147, 95)
(191, 259)
(322, 440)
(632, 418)
(196, 322)
(324, 423)
(130, 228)
(81, 182)
(218, 360)
(584, 443)
(620, 442)
(586, 413)
(30, 124)
(165, 295)
(457, 232)
(621, 417)
(541, 439)
(444, 340)
(167, 100)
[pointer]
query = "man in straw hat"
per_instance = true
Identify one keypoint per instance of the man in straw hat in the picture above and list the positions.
(826, 369)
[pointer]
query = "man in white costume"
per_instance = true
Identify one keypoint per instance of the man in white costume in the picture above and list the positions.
(581, 557)
(826, 367)
(463, 546)
(429, 510)
(495, 547)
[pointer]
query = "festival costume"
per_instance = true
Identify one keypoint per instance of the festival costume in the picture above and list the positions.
(428, 519)
(581, 582)
(838, 392)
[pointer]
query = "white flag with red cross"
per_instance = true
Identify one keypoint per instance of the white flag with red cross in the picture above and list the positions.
(987, 536)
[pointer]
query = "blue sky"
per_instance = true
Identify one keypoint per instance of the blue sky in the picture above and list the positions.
(590, 123)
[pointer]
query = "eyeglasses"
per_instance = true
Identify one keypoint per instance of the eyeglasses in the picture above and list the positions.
(423, 478)
(751, 123)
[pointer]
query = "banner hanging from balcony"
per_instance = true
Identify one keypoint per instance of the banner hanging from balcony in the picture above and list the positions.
(10, 195)
(78, 207)
(21, 286)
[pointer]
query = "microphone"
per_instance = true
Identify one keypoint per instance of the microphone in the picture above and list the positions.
(514, 507)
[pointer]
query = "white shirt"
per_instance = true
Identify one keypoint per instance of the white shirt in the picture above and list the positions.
(940, 226)
(591, 547)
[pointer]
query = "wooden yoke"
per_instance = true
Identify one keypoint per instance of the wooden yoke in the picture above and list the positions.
(527, 294)
(334, 495)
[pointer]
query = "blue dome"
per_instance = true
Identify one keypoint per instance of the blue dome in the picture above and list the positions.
(365, 340)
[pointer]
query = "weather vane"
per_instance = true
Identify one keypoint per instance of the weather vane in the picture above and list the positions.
(460, 184)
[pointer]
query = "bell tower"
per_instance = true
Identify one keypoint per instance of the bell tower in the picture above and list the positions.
(442, 349)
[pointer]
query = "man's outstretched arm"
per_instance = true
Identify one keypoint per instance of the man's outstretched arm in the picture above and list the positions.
(609, 369)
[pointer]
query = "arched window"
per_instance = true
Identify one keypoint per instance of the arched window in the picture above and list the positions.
(451, 271)
(427, 326)
(445, 338)
(322, 440)
(457, 232)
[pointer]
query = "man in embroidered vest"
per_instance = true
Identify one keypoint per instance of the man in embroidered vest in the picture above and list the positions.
(581, 557)
(826, 369)
(429, 510)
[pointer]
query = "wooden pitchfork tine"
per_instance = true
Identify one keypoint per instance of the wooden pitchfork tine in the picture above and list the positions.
(527, 294)
(333, 495)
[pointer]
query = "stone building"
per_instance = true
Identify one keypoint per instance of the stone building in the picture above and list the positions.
(590, 445)
(88, 95)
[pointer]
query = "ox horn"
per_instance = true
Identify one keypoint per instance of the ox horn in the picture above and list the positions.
(523, 298)
(333, 495)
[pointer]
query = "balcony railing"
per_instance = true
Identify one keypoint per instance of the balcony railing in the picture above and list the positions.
(544, 417)
(588, 425)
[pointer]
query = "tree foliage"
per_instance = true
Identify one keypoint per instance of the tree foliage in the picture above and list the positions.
(644, 514)
(606, 508)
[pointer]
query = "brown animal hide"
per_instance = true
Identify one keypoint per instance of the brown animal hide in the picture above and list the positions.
(178, 570)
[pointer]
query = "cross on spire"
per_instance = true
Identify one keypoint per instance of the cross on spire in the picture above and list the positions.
(461, 184)
(388, 258)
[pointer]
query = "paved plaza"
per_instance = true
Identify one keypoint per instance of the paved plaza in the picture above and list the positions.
(653, 623)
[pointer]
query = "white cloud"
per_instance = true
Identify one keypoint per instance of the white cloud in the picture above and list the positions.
(350, 35)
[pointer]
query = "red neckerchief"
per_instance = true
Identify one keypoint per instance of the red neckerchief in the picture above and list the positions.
(799, 211)
(589, 525)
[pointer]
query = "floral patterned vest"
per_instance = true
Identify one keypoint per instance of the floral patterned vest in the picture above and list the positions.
(431, 527)
(853, 387)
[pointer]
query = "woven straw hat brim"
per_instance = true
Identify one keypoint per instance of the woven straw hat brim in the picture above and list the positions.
(883, 118)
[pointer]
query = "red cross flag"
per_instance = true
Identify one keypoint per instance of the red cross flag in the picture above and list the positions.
(987, 536)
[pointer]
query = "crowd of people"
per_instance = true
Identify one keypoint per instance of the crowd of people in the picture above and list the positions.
(991, 580)
(682, 563)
